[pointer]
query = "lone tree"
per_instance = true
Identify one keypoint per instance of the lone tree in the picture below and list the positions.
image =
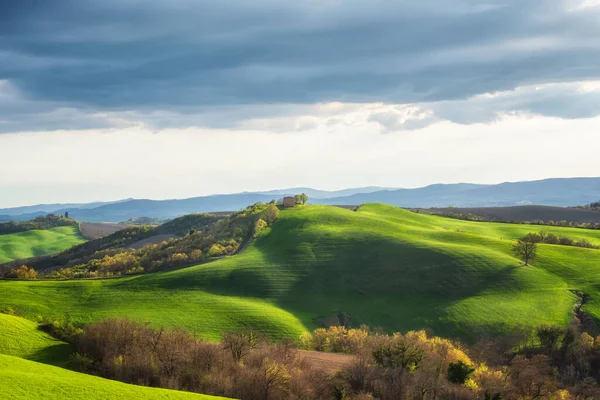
(66, 214)
(526, 247)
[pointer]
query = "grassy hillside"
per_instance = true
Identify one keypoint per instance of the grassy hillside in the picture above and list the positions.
(22, 379)
(22, 338)
(384, 266)
(35, 243)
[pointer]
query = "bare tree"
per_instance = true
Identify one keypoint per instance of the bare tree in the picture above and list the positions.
(239, 343)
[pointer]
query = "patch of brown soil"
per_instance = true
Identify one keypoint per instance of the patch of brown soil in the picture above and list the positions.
(328, 362)
(99, 230)
(151, 240)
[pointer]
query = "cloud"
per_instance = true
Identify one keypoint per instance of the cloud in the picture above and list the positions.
(565, 101)
(237, 64)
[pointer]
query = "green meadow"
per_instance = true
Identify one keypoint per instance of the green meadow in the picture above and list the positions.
(38, 242)
(383, 266)
(20, 337)
(23, 379)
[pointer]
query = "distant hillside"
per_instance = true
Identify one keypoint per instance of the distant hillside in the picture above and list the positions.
(166, 209)
(37, 243)
(39, 209)
(380, 265)
(524, 214)
(42, 222)
(188, 240)
(564, 192)
(324, 194)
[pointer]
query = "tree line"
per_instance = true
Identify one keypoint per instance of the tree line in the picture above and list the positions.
(553, 363)
(526, 247)
(42, 222)
(595, 206)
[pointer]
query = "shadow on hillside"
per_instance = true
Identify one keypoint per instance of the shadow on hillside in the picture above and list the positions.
(377, 279)
(57, 354)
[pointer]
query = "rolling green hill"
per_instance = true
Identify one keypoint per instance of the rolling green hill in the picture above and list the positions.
(382, 265)
(35, 243)
(22, 379)
(21, 338)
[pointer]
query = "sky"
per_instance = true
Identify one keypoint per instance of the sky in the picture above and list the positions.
(107, 99)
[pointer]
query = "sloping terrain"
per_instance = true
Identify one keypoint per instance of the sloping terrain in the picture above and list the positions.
(22, 338)
(23, 379)
(93, 231)
(36, 243)
(524, 213)
(380, 265)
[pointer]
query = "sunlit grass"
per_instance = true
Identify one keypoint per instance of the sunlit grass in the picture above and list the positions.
(22, 379)
(384, 266)
(38, 242)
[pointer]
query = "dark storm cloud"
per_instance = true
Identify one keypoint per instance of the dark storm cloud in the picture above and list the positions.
(185, 56)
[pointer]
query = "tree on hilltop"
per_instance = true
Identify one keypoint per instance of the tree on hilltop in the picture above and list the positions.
(304, 198)
(301, 198)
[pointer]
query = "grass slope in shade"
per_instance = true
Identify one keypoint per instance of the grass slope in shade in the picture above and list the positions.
(22, 338)
(22, 379)
(38, 242)
(384, 266)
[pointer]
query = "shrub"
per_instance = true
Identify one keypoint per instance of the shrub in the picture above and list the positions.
(270, 214)
(80, 362)
(7, 311)
(549, 336)
(63, 330)
(459, 372)
(216, 250)
(259, 227)
(23, 272)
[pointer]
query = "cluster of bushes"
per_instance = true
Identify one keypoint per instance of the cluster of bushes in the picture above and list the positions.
(595, 206)
(479, 218)
(553, 363)
(42, 222)
(142, 221)
(243, 366)
(63, 330)
(205, 237)
(558, 364)
(551, 238)
(23, 272)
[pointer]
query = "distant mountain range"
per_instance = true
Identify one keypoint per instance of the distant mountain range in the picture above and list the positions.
(562, 192)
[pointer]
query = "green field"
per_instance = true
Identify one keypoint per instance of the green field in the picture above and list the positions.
(385, 266)
(38, 242)
(21, 338)
(22, 379)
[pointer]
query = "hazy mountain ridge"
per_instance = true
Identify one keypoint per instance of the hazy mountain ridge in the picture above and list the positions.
(561, 192)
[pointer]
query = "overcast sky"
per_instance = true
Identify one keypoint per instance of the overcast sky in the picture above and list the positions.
(107, 99)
